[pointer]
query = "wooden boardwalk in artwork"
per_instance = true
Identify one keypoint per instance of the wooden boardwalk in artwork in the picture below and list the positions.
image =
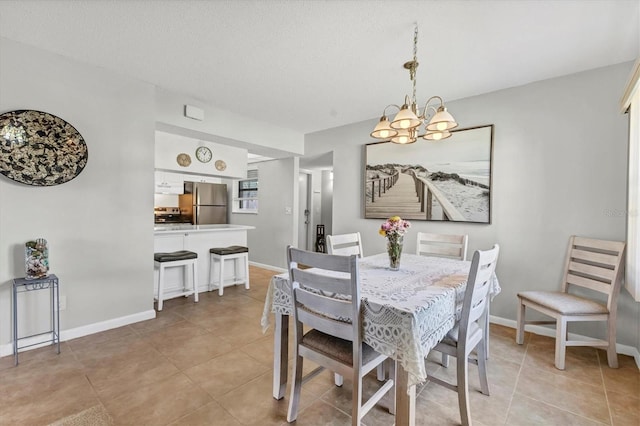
(401, 199)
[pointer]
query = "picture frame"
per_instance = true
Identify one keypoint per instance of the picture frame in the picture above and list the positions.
(445, 180)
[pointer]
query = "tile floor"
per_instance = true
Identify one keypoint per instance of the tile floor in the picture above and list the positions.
(209, 364)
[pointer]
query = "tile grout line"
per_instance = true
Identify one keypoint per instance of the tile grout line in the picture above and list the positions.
(515, 386)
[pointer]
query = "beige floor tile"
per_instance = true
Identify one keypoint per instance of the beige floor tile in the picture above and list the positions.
(45, 393)
(322, 414)
(187, 352)
(94, 416)
(584, 367)
(625, 406)
(163, 319)
(86, 342)
(569, 394)
(253, 403)
(261, 350)
(159, 403)
(226, 372)
(111, 377)
(211, 414)
(529, 412)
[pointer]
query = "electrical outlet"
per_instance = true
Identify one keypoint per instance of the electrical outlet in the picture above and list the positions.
(63, 303)
(287, 210)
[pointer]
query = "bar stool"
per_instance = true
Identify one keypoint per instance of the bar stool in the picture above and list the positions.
(182, 258)
(235, 253)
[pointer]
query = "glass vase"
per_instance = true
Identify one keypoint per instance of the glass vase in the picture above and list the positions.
(394, 249)
(36, 259)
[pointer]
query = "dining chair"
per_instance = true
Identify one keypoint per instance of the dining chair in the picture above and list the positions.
(467, 334)
(453, 247)
(326, 298)
(345, 244)
(594, 266)
(442, 245)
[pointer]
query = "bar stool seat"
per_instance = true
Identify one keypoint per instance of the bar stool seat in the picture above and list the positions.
(220, 254)
(182, 258)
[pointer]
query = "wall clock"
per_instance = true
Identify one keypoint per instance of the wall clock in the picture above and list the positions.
(203, 154)
(40, 149)
(183, 159)
(221, 165)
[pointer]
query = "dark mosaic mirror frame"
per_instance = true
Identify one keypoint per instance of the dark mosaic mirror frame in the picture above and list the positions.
(40, 149)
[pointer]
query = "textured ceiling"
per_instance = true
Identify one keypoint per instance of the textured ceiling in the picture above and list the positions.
(312, 65)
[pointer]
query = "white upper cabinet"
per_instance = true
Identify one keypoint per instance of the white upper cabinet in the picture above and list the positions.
(202, 158)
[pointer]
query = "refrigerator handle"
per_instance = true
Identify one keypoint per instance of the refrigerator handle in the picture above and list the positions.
(196, 212)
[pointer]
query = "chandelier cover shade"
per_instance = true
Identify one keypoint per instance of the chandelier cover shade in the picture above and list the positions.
(404, 127)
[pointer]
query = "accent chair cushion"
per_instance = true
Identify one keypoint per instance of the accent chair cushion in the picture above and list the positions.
(564, 303)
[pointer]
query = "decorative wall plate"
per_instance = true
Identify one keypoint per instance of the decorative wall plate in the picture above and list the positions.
(184, 159)
(221, 165)
(40, 149)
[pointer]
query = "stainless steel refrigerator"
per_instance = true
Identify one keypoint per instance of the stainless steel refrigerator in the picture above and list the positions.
(205, 202)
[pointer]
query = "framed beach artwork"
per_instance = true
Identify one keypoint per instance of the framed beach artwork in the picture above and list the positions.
(445, 180)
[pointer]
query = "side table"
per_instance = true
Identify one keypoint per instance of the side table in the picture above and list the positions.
(23, 285)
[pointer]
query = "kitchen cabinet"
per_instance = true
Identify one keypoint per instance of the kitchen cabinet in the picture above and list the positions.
(199, 239)
(168, 183)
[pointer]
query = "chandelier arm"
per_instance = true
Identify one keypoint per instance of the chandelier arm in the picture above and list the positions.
(384, 112)
(427, 106)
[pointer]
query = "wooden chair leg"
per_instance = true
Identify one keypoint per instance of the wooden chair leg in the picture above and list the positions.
(160, 286)
(338, 379)
(380, 373)
(463, 388)
(612, 354)
(391, 371)
(520, 327)
(246, 272)
(445, 360)
(221, 283)
(356, 401)
(561, 347)
(482, 367)
(194, 268)
(292, 414)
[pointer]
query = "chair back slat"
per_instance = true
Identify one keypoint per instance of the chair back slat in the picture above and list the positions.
(598, 245)
(439, 250)
(328, 284)
(476, 293)
(326, 296)
(594, 257)
(329, 306)
(595, 265)
(330, 326)
(592, 272)
(345, 244)
(442, 245)
(598, 286)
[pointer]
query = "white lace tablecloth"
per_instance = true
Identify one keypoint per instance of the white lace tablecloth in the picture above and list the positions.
(406, 312)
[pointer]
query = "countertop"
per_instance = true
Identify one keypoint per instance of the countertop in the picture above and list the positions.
(181, 228)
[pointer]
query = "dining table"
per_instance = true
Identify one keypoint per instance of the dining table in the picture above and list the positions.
(405, 313)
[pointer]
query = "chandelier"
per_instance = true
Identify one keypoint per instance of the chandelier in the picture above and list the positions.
(404, 127)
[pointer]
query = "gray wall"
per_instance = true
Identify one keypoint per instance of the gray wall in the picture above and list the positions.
(98, 225)
(559, 168)
(278, 189)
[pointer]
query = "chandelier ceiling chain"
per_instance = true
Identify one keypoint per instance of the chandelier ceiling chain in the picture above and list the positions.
(404, 127)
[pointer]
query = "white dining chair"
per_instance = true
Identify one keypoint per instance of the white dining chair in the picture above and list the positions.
(442, 245)
(592, 265)
(345, 244)
(330, 306)
(467, 335)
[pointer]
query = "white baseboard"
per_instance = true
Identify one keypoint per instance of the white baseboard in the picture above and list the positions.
(273, 268)
(84, 330)
(550, 332)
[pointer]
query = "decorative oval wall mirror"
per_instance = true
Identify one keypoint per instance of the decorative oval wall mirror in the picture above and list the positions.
(40, 149)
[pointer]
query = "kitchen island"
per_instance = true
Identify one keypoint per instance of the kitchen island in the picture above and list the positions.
(199, 239)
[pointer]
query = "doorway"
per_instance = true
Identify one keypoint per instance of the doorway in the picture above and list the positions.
(304, 209)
